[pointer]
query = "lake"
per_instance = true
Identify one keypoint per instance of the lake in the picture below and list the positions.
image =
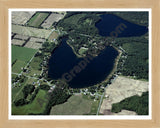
(109, 22)
(84, 72)
(64, 63)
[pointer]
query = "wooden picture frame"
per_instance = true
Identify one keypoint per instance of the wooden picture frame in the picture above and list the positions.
(5, 122)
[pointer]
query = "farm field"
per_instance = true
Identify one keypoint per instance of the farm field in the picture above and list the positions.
(17, 42)
(21, 17)
(120, 89)
(51, 19)
(33, 108)
(20, 37)
(37, 40)
(33, 45)
(30, 31)
(37, 19)
(76, 105)
(20, 56)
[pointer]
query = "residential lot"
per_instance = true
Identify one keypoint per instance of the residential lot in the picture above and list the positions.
(120, 89)
(53, 36)
(21, 17)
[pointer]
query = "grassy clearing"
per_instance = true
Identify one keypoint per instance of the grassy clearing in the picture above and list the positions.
(33, 108)
(82, 50)
(22, 55)
(76, 105)
(94, 105)
(37, 19)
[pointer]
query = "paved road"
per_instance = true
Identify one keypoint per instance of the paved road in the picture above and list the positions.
(100, 103)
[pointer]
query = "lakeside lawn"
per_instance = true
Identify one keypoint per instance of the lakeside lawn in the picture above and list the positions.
(20, 57)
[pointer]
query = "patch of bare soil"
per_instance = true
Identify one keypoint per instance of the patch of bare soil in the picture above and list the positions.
(121, 88)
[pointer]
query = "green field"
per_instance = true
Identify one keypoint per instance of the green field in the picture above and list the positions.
(76, 105)
(17, 66)
(35, 67)
(17, 88)
(37, 19)
(21, 55)
(17, 92)
(33, 108)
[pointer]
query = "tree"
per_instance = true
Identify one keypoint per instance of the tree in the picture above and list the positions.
(28, 89)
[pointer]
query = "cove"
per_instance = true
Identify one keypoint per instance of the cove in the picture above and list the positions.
(108, 23)
(63, 60)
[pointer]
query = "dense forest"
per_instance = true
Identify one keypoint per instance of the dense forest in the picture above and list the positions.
(79, 23)
(139, 104)
(135, 60)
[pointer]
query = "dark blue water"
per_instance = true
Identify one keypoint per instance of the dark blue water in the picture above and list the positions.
(84, 72)
(81, 72)
(108, 26)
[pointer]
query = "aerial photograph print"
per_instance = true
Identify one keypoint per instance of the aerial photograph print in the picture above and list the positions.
(79, 62)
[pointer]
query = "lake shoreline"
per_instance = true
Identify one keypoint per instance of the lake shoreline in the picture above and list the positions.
(114, 67)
